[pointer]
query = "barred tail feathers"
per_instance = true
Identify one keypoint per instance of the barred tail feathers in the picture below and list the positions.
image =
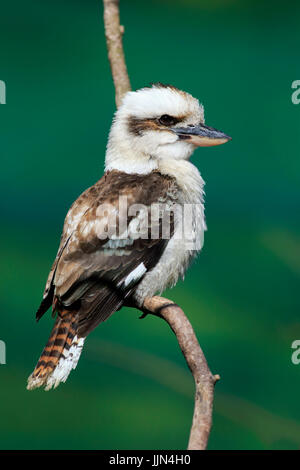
(60, 355)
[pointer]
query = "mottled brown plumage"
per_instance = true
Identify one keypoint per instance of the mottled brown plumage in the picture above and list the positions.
(81, 253)
(86, 282)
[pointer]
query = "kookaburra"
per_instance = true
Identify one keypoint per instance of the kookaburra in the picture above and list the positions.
(105, 260)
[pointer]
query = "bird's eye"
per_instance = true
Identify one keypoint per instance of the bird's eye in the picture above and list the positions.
(167, 120)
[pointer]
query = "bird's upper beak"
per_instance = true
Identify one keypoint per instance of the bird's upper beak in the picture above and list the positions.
(201, 135)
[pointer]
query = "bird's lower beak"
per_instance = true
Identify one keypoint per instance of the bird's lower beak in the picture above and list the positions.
(201, 135)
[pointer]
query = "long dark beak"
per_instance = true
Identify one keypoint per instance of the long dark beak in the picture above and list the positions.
(201, 135)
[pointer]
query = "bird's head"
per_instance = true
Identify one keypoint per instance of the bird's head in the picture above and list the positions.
(154, 124)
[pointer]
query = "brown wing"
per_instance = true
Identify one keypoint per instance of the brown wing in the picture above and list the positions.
(94, 273)
(75, 213)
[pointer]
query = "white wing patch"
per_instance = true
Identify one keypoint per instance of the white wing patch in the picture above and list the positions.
(135, 275)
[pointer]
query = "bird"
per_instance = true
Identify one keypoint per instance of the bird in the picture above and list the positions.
(107, 256)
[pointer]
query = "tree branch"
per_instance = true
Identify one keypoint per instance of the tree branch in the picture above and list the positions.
(159, 306)
(113, 33)
(204, 380)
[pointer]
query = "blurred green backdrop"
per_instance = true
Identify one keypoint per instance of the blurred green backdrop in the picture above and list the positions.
(131, 389)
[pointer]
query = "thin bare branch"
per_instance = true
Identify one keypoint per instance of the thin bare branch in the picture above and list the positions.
(204, 380)
(113, 33)
(159, 306)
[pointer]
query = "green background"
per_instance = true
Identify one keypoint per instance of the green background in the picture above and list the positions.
(131, 389)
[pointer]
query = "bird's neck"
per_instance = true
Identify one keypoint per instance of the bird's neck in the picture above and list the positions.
(125, 158)
(187, 176)
(129, 162)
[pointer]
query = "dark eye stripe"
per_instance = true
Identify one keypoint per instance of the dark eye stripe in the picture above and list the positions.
(138, 126)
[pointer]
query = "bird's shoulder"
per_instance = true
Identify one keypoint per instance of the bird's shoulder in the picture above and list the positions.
(105, 195)
(137, 188)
